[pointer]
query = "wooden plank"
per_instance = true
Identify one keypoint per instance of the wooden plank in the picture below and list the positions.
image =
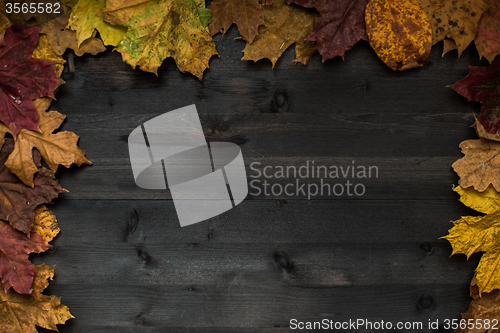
(119, 306)
(252, 265)
(254, 221)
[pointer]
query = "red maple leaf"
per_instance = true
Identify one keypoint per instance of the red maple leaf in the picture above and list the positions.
(23, 78)
(483, 85)
(15, 268)
(340, 25)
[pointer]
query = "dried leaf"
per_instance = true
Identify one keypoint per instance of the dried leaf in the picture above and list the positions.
(246, 14)
(285, 25)
(488, 32)
(85, 20)
(44, 51)
(61, 38)
(473, 234)
(483, 85)
(15, 268)
(60, 148)
(340, 25)
(18, 201)
(399, 32)
(46, 223)
(20, 313)
(4, 24)
(480, 166)
(481, 312)
(161, 29)
(455, 19)
(23, 78)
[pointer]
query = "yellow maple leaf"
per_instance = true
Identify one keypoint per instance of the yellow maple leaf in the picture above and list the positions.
(285, 25)
(60, 148)
(473, 234)
(20, 313)
(158, 29)
(84, 20)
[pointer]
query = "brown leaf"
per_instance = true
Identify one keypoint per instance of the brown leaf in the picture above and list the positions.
(15, 268)
(488, 32)
(455, 19)
(482, 310)
(246, 14)
(20, 313)
(399, 32)
(480, 166)
(60, 148)
(18, 201)
(285, 25)
(340, 25)
(61, 38)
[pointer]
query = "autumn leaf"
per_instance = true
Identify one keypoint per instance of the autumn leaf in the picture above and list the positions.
(399, 32)
(480, 166)
(473, 234)
(44, 51)
(482, 310)
(46, 223)
(18, 201)
(56, 149)
(23, 79)
(488, 32)
(85, 20)
(21, 313)
(61, 38)
(340, 25)
(246, 14)
(456, 19)
(161, 29)
(483, 85)
(285, 25)
(15, 269)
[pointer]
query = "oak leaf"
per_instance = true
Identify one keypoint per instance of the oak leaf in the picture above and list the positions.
(23, 78)
(21, 313)
(285, 25)
(246, 14)
(399, 32)
(473, 234)
(56, 149)
(483, 85)
(340, 25)
(456, 19)
(480, 166)
(84, 20)
(161, 29)
(488, 32)
(61, 38)
(18, 201)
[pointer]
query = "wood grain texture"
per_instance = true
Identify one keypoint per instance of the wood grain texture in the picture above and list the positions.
(123, 264)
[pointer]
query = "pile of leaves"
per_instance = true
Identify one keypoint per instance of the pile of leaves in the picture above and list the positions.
(146, 32)
(29, 76)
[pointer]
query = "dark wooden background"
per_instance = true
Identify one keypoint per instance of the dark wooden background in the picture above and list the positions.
(123, 263)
